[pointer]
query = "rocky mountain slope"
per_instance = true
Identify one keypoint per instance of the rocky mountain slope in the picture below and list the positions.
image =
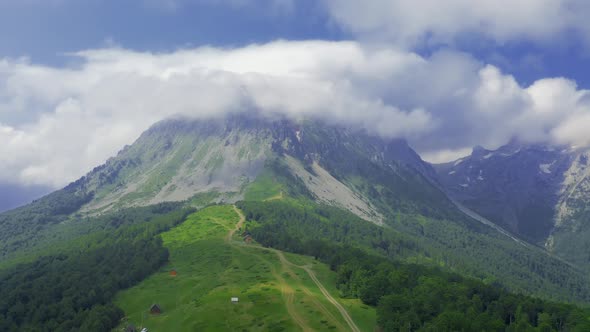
(539, 192)
(177, 159)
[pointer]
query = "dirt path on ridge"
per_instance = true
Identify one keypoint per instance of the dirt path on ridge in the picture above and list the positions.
(287, 291)
(239, 225)
(324, 291)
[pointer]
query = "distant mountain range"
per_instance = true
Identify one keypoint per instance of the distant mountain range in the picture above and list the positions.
(539, 192)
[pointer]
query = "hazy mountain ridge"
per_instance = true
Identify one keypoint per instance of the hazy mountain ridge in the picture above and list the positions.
(539, 192)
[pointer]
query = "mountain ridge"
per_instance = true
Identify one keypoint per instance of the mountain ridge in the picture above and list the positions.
(539, 192)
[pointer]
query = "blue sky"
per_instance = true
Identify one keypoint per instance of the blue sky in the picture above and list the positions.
(44, 30)
(79, 79)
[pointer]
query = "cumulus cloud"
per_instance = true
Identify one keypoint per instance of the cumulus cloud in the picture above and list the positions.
(58, 123)
(496, 109)
(431, 22)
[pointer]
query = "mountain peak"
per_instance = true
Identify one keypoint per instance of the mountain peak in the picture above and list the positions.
(479, 151)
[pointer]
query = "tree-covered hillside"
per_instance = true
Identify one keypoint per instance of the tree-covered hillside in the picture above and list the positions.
(71, 289)
(291, 225)
(19, 227)
(408, 297)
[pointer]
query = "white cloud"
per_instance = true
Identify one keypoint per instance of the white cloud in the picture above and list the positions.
(444, 155)
(58, 123)
(427, 22)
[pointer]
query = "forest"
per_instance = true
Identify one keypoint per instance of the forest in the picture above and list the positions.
(436, 243)
(73, 290)
(408, 297)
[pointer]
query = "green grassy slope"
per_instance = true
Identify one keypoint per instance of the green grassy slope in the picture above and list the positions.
(264, 187)
(213, 266)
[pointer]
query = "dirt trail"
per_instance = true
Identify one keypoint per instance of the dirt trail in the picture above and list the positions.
(286, 289)
(289, 295)
(286, 265)
(324, 291)
(239, 225)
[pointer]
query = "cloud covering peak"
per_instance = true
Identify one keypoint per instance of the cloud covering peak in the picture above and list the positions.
(58, 123)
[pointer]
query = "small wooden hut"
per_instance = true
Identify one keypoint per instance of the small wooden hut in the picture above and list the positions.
(155, 309)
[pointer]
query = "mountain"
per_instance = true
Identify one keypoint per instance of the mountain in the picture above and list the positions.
(248, 157)
(376, 223)
(234, 158)
(257, 158)
(538, 192)
(178, 159)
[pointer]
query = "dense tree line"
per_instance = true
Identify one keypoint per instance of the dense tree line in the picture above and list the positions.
(73, 290)
(56, 237)
(408, 297)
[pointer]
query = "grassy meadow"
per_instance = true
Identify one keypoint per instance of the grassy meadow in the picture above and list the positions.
(212, 266)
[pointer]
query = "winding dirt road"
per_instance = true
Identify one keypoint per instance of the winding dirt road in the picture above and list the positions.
(324, 291)
(239, 225)
(288, 291)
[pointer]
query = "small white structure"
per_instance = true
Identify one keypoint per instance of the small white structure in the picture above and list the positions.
(235, 300)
